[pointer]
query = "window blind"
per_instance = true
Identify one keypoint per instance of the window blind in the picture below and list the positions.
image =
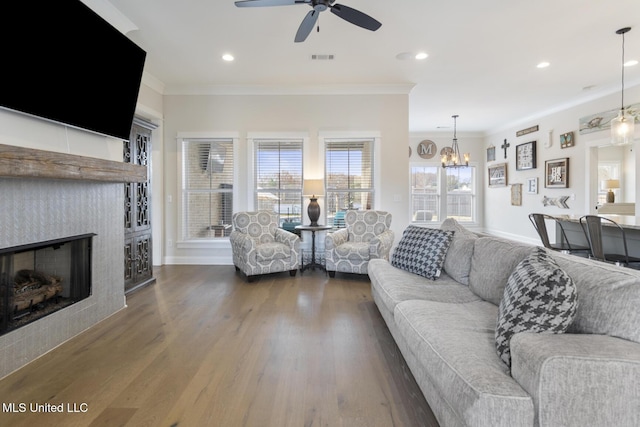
(207, 204)
(278, 177)
(348, 176)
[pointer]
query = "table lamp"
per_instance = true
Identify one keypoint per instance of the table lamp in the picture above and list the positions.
(313, 188)
(610, 184)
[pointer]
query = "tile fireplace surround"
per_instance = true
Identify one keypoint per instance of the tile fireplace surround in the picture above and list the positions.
(35, 210)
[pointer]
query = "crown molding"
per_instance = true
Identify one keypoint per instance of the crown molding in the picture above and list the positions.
(331, 89)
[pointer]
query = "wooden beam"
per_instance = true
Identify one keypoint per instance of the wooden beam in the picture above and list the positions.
(20, 162)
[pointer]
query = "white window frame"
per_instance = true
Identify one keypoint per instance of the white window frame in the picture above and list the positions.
(210, 243)
(272, 137)
(374, 136)
(442, 196)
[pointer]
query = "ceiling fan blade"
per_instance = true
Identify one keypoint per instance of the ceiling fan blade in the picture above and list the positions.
(355, 17)
(306, 26)
(262, 3)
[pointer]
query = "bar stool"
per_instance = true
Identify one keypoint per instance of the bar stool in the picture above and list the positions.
(538, 221)
(592, 227)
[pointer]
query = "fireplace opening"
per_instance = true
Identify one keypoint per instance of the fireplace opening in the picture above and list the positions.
(41, 278)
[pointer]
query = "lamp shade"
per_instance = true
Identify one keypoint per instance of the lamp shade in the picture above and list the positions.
(608, 184)
(313, 187)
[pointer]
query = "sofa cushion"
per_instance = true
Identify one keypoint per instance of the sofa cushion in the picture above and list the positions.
(267, 252)
(422, 251)
(457, 263)
(539, 297)
(456, 344)
(608, 297)
(492, 262)
(391, 285)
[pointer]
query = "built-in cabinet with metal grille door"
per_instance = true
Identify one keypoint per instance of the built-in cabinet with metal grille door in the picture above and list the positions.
(138, 265)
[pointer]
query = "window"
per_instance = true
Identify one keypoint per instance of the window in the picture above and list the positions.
(348, 176)
(207, 188)
(278, 178)
(425, 193)
(437, 193)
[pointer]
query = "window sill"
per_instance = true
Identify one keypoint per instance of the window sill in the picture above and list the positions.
(217, 243)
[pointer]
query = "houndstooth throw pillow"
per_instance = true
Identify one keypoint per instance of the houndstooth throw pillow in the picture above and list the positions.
(422, 251)
(539, 297)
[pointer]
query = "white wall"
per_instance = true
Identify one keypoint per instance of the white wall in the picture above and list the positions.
(511, 221)
(387, 115)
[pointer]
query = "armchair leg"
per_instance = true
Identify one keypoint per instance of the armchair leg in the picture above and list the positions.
(332, 273)
(251, 279)
(292, 273)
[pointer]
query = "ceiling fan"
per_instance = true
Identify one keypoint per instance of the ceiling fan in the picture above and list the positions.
(347, 13)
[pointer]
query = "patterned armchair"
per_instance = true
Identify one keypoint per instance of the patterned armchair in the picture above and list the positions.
(260, 247)
(366, 236)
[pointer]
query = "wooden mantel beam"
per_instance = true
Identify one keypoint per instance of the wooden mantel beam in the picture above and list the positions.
(20, 162)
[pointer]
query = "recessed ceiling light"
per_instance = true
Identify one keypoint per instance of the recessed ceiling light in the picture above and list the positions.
(228, 57)
(405, 56)
(543, 64)
(631, 63)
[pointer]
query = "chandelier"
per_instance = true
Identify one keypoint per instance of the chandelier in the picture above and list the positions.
(622, 127)
(451, 157)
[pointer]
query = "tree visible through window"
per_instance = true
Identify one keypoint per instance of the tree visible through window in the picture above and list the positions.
(348, 176)
(278, 178)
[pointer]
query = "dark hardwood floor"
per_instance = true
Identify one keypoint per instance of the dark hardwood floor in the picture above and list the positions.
(202, 347)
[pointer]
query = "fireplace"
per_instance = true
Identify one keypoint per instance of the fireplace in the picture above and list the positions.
(41, 278)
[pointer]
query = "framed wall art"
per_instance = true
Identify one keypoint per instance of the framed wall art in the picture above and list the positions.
(498, 175)
(566, 140)
(556, 173)
(532, 185)
(526, 156)
(516, 194)
(491, 153)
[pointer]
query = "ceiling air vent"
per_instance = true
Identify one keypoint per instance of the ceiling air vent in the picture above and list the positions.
(323, 57)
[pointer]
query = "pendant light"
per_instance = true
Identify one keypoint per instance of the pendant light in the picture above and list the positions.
(622, 127)
(451, 155)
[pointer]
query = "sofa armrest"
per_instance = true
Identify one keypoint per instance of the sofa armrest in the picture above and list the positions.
(381, 245)
(578, 379)
(243, 248)
(335, 239)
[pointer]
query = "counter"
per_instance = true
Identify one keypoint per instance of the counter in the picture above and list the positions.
(612, 238)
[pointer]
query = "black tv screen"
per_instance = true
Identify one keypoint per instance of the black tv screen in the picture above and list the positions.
(63, 62)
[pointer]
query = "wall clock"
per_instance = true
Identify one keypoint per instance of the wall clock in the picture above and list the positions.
(526, 156)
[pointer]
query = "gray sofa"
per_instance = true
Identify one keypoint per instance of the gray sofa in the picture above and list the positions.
(445, 329)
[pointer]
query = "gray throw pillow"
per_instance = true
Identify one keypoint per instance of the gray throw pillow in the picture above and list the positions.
(539, 297)
(457, 263)
(422, 251)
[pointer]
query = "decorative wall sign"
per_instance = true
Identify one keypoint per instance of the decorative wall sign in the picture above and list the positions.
(602, 121)
(504, 147)
(532, 185)
(527, 130)
(516, 194)
(526, 156)
(560, 202)
(491, 154)
(427, 149)
(557, 173)
(498, 175)
(566, 140)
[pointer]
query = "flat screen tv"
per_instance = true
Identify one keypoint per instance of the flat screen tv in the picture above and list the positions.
(64, 63)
